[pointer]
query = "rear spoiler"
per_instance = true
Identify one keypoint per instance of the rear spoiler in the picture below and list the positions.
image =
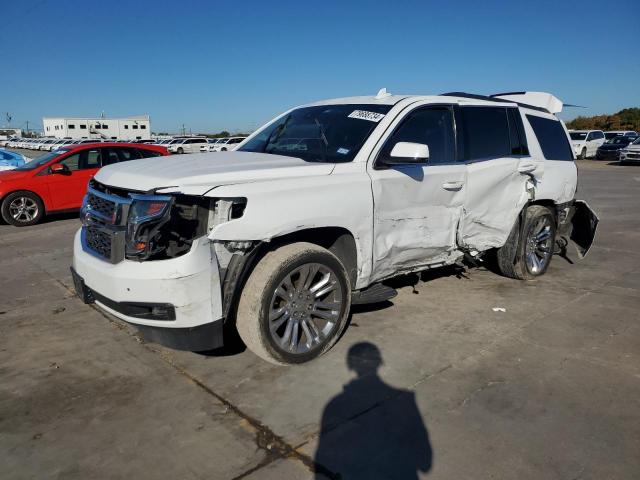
(542, 100)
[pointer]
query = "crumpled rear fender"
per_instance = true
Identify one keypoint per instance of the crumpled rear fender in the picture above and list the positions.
(580, 227)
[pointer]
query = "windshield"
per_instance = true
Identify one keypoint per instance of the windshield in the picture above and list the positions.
(578, 135)
(324, 133)
(41, 160)
(619, 141)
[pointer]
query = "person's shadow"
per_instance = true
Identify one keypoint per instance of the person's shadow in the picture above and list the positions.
(371, 430)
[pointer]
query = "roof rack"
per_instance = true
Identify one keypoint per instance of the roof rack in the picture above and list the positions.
(492, 99)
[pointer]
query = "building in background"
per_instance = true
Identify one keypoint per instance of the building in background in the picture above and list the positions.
(131, 128)
(6, 132)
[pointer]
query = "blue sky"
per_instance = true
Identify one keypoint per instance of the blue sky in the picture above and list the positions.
(233, 65)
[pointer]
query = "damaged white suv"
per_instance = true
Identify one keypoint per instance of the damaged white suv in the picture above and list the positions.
(313, 211)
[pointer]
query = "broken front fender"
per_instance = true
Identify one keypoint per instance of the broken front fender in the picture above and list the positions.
(580, 227)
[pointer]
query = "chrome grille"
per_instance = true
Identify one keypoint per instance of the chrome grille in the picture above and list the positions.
(101, 206)
(104, 218)
(98, 240)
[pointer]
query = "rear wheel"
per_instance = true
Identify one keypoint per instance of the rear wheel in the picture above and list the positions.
(22, 209)
(528, 250)
(295, 304)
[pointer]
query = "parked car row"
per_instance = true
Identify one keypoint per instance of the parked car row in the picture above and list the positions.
(182, 145)
(599, 144)
(51, 144)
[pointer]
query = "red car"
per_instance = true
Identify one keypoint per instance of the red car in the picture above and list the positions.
(58, 180)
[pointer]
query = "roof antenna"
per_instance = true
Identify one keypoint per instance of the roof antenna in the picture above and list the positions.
(382, 93)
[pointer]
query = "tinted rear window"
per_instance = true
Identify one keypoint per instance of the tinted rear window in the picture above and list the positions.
(551, 137)
(485, 132)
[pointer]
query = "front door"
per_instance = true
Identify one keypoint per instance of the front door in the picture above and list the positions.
(67, 190)
(417, 206)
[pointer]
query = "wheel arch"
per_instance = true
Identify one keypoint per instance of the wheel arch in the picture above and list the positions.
(338, 240)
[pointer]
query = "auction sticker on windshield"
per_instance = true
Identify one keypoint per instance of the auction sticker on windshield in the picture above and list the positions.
(365, 115)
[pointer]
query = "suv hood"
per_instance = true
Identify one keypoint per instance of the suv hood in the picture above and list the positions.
(198, 173)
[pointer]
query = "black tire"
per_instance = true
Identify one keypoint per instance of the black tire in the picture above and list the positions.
(583, 154)
(512, 256)
(180, 151)
(30, 216)
(223, 149)
(259, 294)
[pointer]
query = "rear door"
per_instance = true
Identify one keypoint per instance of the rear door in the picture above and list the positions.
(500, 172)
(68, 190)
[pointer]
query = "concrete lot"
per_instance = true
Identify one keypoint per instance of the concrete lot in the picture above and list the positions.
(548, 389)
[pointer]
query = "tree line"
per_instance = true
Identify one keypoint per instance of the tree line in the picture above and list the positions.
(625, 119)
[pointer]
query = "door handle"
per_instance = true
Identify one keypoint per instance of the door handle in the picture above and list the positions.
(526, 167)
(453, 186)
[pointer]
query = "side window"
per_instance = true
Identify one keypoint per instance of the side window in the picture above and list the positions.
(485, 132)
(148, 153)
(430, 126)
(109, 156)
(90, 159)
(591, 136)
(516, 133)
(72, 162)
(599, 135)
(127, 154)
(552, 138)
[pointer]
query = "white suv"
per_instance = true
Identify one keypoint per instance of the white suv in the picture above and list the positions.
(585, 143)
(279, 238)
(187, 145)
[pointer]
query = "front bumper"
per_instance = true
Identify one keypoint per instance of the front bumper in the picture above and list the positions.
(630, 156)
(175, 302)
(607, 154)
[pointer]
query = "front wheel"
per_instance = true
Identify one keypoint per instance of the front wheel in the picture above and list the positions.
(295, 304)
(528, 250)
(180, 150)
(22, 209)
(583, 154)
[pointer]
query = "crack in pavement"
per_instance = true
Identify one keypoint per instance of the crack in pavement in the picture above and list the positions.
(266, 439)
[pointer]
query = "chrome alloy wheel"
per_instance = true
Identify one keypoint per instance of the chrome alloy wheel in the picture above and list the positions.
(23, 209)
(539, 246)
(305, 308)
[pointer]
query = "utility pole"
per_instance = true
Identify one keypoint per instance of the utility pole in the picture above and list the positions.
(27, 127)
(183, 130)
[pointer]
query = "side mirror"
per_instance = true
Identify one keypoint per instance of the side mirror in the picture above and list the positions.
(404, 153)
(59, 168)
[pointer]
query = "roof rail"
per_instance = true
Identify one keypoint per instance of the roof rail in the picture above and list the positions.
(492, 99)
